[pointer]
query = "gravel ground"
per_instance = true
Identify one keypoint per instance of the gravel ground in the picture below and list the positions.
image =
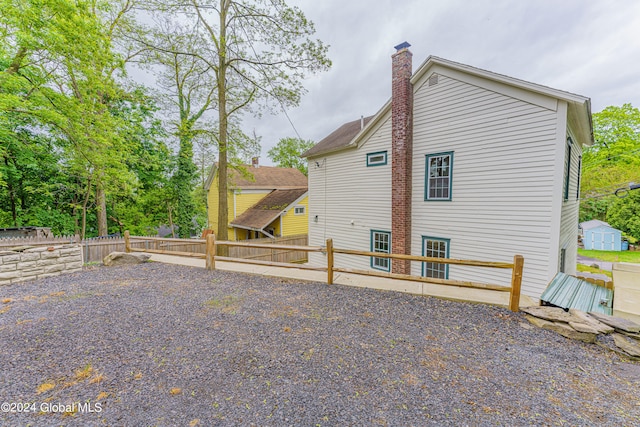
(168, 345)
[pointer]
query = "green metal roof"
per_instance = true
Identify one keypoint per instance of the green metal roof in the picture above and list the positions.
(570, 292)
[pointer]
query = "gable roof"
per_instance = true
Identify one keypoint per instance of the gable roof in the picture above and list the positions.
(267, 209)
(579, 111)
(339, 138)
(262, 178)
(587, 225)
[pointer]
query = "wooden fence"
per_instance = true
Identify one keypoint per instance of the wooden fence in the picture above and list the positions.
(516, 271)
(281, 250)
(516, 266)
(95, 249)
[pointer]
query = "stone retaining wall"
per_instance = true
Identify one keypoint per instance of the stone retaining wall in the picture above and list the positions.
(36, 263)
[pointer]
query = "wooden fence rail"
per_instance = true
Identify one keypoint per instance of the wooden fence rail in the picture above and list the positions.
(211, 248)
(516, 271)
(282, 249)
(95, 249)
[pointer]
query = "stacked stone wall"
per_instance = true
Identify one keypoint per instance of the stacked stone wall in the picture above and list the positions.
(36, 263)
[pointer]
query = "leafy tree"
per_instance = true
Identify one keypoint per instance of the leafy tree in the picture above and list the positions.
(612, 162)
(287, 152)
(624, 214)
(67, 143)
(259, 51)
(188, 97)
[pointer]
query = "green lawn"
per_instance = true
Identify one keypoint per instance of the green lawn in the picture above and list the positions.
(612, 256)
(589, 269)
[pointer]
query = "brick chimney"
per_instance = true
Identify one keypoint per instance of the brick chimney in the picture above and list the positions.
(401, 155)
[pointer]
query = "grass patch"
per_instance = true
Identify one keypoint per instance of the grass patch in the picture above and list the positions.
(45, 387)
(589, 269)
(83, 373)
(227, 304)
(612, 256)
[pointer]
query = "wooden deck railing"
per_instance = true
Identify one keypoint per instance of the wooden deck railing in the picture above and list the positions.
(211, 248)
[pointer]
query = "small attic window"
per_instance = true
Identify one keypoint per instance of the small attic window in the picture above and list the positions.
(377, 159)
(433, 80)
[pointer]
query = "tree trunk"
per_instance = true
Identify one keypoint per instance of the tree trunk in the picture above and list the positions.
(16, 63)
(12, 196)
(101, 210)
(223, 206)
(84, 209)
(173, 233)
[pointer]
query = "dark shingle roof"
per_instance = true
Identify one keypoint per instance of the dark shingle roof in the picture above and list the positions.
(267, 209)
(261, 178)
(268, 177)
(337, 139)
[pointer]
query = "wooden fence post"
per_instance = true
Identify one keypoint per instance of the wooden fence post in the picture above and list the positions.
(516, 283)
(329, 261)
(211, 252)
(127, 241)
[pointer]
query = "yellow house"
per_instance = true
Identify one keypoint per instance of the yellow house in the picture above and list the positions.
(269, 202)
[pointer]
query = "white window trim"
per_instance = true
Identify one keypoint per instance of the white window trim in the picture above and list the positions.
(295, 210)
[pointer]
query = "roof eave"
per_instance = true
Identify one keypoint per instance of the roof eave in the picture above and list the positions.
(255, 228)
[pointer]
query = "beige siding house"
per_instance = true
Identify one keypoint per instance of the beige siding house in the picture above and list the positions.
(486, 166)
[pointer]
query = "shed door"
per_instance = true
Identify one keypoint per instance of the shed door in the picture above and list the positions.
(603, 241)
(608, 241)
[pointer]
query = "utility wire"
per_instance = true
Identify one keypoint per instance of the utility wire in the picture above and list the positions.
(259, 65)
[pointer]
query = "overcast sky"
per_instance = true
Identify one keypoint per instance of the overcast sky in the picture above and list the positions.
(588, 47)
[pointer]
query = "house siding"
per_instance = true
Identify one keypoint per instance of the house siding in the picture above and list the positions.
(243, 201)
(507, 182)
(293, 224)
(502, 179)
(570, 208)
(354, 192)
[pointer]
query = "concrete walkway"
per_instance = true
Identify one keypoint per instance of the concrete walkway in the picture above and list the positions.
(418, 288)
(603, 265)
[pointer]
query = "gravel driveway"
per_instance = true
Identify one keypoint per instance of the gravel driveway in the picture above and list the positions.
(168, 345)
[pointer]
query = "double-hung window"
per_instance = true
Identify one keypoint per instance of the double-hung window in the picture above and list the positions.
(439, 171)
(381, 242)
(434, 247)
(567, 168)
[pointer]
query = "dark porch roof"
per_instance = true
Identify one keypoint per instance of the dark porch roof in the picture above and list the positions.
(267, 209)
